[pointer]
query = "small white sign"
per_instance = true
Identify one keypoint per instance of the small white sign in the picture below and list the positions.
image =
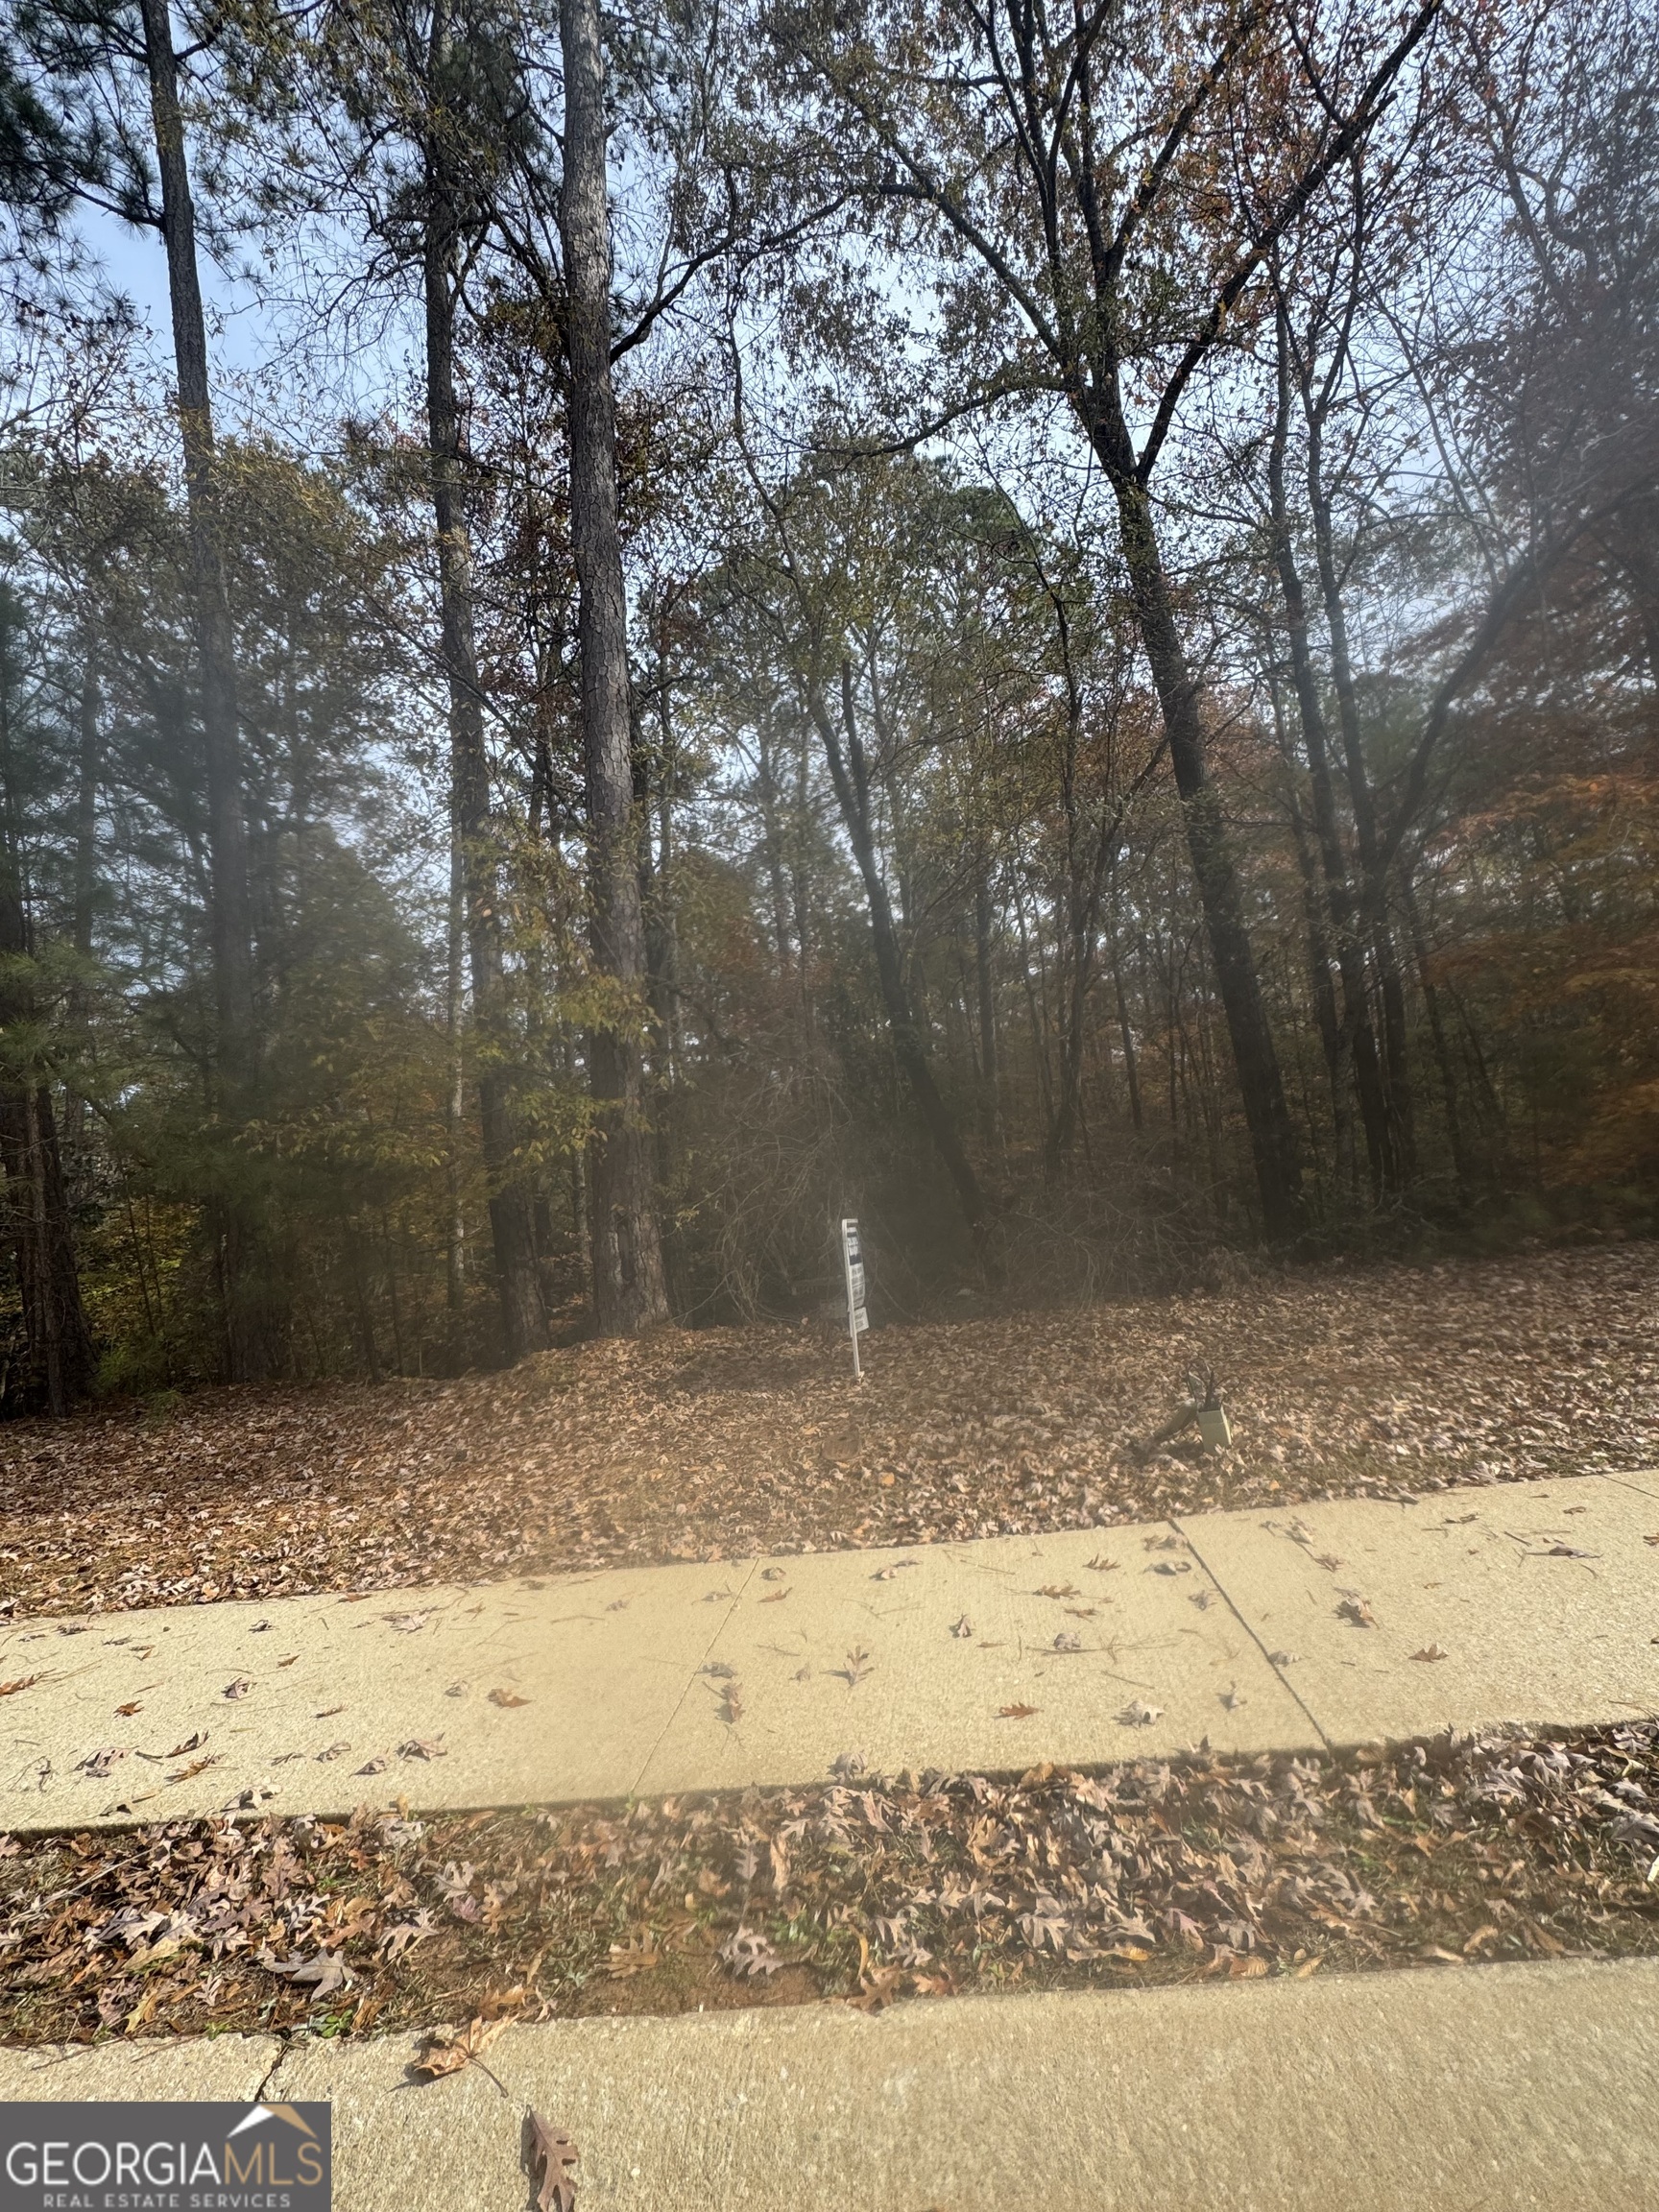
(852, 1270)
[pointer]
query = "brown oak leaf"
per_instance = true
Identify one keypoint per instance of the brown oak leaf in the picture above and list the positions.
(554, 2153)
(448, 2050)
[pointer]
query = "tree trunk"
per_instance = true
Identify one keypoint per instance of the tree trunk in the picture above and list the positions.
(88, 764)
(524, 1319)
(1357, 1037)
(1127, 1034)
(226, 834)
(251, 1329)
(1268, 1115)
(850, 775)
(59, 1346)
(87, 767)
(629, 1291)
(1395, 1072)
(1084, 885)
(1460, 1165)
(662, 921)
(455, 1103)
(989, 1088)
(1330, 1036)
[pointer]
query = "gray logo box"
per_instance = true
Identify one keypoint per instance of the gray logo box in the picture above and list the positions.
(182, 2157)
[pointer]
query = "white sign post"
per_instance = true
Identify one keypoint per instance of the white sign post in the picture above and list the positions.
(852, 1268)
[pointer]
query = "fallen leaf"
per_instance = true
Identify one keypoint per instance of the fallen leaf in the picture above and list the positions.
(1233, 1697)
(374, 1767)
(555, 2154)
(1101, 1566)
(1139, 1715)
(237, 1689)
(1283, 1658)
(1430, 1651)
(1357, 1610)
(618, 1605)
(1203, 1599)
(447, 2051)
(458, 1689)
(197, 1766)
(1068, 1640)
(1309, 1966)
(887, 1573)
(406, 1934)
(407, 1623)
(748, 1954)
(23, 1682)
(1017, 1711)
(858, 1664)
(507, 1698)
(730, 1707)
(128, 1710)
(637, 1956)
(423, 1747)
(1059, 1590)
(1553, 1550)
(1170, 1567)
(962, 1627)
(289, 1661)
(328, 1712)
(777, 1597)
(774, 1573)
(325, 1973)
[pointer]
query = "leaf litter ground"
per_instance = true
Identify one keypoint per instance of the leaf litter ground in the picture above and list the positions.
(1338, 1382)
(1444, 1854)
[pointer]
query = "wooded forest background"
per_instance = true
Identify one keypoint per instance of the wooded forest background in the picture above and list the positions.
(1037, 623)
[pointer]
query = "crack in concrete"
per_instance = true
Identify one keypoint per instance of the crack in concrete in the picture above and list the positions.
(722, 1622)
(1227, 1598)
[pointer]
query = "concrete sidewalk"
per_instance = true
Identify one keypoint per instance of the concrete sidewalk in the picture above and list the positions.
(1491, 2089)
(1256, 1630)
